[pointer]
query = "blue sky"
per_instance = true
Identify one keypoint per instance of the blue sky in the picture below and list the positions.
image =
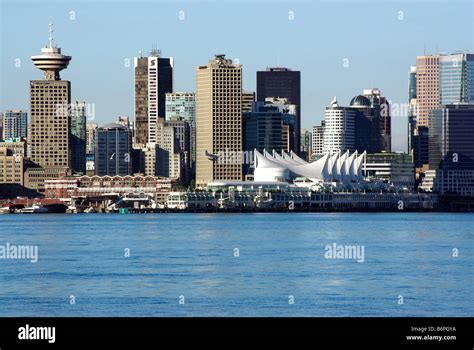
(380, 39)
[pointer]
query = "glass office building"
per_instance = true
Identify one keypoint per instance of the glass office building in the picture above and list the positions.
(456, 78)
(113, 151)
(78, 137)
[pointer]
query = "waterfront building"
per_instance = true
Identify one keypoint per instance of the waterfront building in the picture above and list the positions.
(113, 152)
(15, 124)
(100, 186)
(11, 166)
(48, 140)
(331, 168)
(285, 83)
(218, 120)
(393, 168)
(242, 197)
(35, 176)
(49, 129)
(153, 79)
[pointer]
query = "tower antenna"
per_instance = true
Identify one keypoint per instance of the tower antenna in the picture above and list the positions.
(50, 33)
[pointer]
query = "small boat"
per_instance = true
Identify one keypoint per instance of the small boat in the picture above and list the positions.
(34, 209)
(5, 210)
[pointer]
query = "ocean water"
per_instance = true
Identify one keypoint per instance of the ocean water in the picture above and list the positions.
(262, 264)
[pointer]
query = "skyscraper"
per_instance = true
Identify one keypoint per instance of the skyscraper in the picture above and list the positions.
(49, 104)
(269, 126)
(456, 78)
(451, 155)
(113, 150)
(183, 105)
(338, 128)
(218, 121)
(78, 137)
(381, 107)
(15, 124)
(367, 134)
(153, 79)
(412, 131)
(286, 83)
(427, 87)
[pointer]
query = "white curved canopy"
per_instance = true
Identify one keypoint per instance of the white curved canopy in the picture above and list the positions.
(343, 168)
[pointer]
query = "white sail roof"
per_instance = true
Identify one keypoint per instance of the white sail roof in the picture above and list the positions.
(343, 168)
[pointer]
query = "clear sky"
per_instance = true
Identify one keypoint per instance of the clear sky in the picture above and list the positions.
(340, 47)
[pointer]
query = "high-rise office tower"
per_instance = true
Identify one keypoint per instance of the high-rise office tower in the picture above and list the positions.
(269, 126)
(113, 150)
(367, 134)
(451, 155)
(1, 125)
(153, 79)
(412, 131)
(183, 105)
(338, 128)
(456, 78)
(78, 137)
(218, 121)
(427, 87)
(286, 83)
(49, 105)
(381, 108)
(288, 127)
(15, 124)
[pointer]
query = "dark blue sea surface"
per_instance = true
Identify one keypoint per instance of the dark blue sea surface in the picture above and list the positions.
(281, 258)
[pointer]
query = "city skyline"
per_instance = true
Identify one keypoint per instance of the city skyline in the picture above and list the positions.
(338, 67)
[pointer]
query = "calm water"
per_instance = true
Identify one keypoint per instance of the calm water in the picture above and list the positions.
(192, 255)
